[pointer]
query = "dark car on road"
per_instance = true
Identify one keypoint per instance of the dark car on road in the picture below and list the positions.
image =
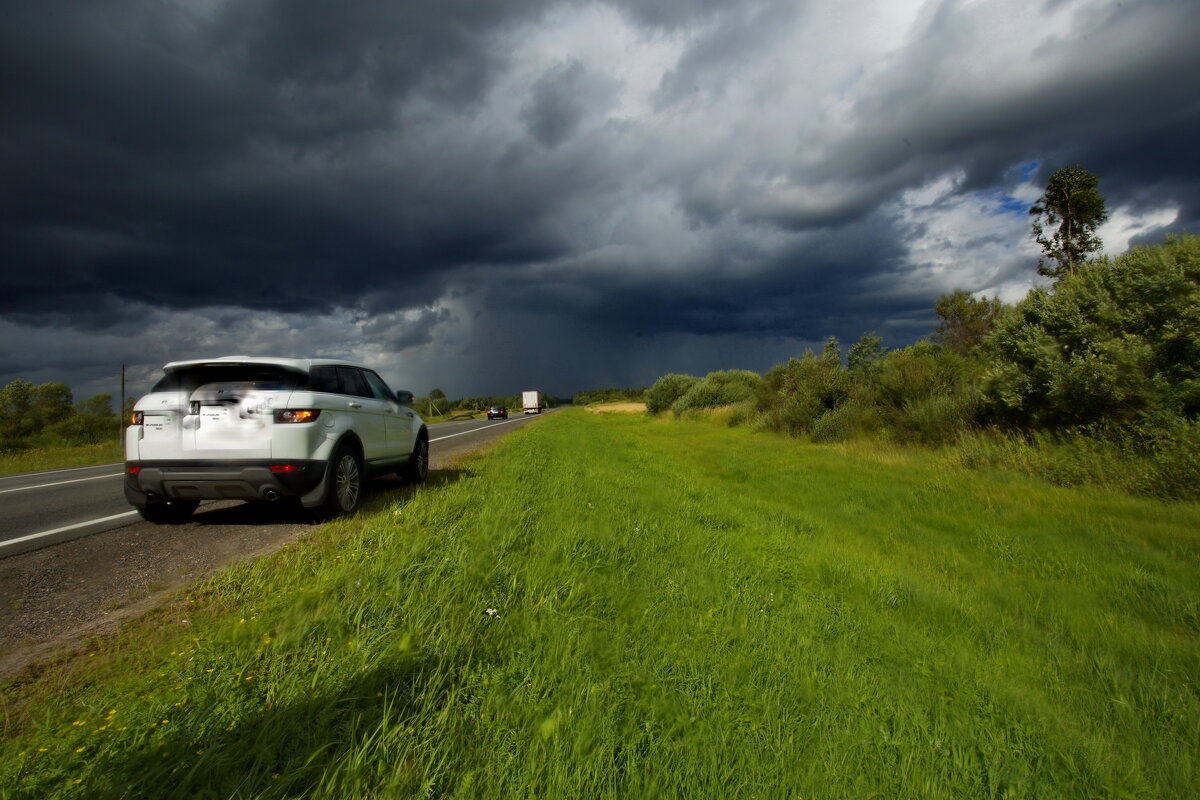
(497, 412)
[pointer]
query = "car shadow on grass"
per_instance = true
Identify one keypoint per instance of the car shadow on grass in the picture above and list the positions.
(379, 492)
(288, 749)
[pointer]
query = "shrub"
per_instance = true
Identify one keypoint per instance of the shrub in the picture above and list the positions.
(1164, 464)
(865, 354)
(732, 416)
(936, 420)
(793, 395)
(1115, 342)
(719, 389)
(847, 421)
(964, 321)
(81, 429)
(666, 390)
(1175, 448)
(923, 371)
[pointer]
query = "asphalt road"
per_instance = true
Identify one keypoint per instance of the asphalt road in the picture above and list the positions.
(38, 509)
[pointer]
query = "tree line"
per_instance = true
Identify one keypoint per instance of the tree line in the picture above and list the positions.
(607, 396)
(437, 404)
(46, 415)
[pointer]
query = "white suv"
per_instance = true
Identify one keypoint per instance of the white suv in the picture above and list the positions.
(247, 428)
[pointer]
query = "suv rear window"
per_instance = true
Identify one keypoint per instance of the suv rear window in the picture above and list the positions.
(352, 382)
(377, 385)
(339, 380)
(263, 377)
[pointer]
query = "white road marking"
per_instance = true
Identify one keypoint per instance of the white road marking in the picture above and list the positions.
(475, 430)
(17, 475)
(66, 528)
(60, 483)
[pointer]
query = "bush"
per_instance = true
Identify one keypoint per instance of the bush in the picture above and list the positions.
(1174, 445)
(847, 421)
(81, 429)
(923, 371)
(666, 390)
(1164, 463)
(9, 446)
(792, 396)
(732, 416)
(935, 421)
(1115, 342)
(719, 389)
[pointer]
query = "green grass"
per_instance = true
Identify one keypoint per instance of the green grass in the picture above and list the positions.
(681, 610)
(40, 458)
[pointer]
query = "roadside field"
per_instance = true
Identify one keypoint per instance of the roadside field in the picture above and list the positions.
(35, 459)
(609, 605)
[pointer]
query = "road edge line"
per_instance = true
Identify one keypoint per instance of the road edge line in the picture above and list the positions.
(32, 536)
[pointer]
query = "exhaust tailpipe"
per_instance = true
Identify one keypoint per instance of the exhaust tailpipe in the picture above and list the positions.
(271, 495)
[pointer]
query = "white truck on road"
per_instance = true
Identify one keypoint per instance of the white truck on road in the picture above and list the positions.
(531, 402)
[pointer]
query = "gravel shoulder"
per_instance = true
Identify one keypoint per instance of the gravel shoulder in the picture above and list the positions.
(56, 598)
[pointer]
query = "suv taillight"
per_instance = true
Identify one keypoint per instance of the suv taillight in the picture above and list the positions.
(135, 418)
(289, 415)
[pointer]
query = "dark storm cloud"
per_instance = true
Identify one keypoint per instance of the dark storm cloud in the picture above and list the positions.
(196, 154)
(399, 332)
(421, 180)
(805, 292)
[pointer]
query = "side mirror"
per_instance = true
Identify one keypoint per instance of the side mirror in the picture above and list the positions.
(404, 398)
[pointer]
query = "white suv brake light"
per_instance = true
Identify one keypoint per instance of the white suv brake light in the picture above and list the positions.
(290, 415)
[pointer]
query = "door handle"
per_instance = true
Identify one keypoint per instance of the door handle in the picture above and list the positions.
(355, 405)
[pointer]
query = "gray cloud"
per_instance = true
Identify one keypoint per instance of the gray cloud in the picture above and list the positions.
(560, 100)
(399, 332)
(646, 187)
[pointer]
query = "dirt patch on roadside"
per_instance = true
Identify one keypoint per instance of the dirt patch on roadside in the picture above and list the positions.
(620, 408)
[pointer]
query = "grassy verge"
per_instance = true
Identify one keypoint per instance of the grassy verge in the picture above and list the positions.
(617, 606)
(39, 458)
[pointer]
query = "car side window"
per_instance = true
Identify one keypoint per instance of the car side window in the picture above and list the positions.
(352, 382)
(378, 387)
(323, 379)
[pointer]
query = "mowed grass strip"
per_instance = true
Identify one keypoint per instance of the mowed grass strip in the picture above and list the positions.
(614, 606)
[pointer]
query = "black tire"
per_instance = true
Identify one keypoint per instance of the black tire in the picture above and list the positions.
(168, 512)
(345, 491)
(417, 468)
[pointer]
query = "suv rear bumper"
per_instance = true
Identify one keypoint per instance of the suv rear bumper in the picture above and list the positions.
(225, 480)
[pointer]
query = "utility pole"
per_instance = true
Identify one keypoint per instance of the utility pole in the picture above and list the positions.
(121, 412)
